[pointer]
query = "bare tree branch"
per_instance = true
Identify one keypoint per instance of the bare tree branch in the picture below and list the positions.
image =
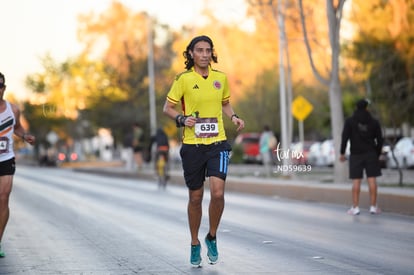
(315, 71)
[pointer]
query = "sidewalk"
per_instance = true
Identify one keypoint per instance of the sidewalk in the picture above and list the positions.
(390, 199)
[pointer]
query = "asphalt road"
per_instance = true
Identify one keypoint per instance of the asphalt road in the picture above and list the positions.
(64, 222)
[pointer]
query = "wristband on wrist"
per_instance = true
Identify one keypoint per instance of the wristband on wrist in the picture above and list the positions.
(177, 121)
(234, 115)
(180, 121)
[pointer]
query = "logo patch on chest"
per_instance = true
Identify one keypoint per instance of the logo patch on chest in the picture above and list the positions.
(217, 84)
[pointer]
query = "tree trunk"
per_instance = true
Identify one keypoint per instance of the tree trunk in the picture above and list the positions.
(337, 121)
(334, 15)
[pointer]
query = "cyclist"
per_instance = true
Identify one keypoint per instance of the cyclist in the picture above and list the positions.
(161, 156)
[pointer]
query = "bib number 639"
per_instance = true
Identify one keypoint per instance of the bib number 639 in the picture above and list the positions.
(206, 127)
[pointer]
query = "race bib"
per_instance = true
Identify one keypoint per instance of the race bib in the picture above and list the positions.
(4, 146)
(206, 127)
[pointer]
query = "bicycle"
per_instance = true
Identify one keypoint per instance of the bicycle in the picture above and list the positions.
(161, 168)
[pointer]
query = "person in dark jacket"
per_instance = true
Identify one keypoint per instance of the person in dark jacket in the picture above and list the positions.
(366, 140)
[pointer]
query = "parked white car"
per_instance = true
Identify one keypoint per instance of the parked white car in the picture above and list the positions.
(322, 153)
(301, 152)
(315, 154)
(404, 153)
(328, 153)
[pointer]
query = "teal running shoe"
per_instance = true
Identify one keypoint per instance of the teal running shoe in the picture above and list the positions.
(2, 254)
(212, 252)
(195, 257)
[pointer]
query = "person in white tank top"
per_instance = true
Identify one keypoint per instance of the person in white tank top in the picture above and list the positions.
(9, 125)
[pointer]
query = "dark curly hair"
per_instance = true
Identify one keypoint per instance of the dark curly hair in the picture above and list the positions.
(189, 62)
(3, 78)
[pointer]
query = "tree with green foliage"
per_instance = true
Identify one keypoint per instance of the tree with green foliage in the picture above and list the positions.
(105, 86)
(384, 57)
(382, 51)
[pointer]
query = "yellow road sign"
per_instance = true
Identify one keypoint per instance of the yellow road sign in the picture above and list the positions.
(301, 108)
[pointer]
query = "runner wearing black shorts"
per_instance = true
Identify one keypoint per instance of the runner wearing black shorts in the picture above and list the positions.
(10, 125)
(204, 96)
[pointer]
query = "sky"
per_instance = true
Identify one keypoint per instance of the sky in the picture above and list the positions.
(30, 29)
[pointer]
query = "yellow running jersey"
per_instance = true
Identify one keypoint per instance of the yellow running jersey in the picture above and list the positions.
(204, 98)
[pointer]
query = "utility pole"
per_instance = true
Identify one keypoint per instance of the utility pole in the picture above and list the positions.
(151, 91)
(283, 102)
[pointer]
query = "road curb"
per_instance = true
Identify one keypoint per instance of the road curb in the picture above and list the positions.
(400, 202)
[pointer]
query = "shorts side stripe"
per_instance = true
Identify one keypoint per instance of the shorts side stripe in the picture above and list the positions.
(223, 161)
